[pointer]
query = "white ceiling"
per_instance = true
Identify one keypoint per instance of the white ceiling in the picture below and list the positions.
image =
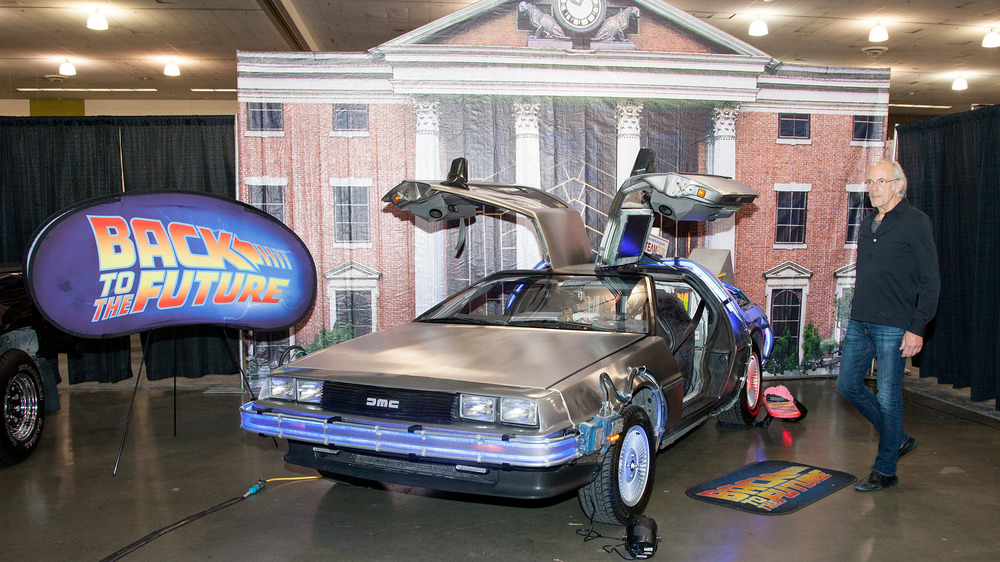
(930, 41)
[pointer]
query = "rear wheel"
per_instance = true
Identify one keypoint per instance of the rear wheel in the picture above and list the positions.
(23, 406)
(624, 482)
(745, 410)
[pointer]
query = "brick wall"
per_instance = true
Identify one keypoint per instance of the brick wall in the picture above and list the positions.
(308, 156)
(829, 163)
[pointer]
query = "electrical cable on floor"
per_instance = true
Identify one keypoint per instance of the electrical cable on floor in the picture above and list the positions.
(258, 486)
(590, 534)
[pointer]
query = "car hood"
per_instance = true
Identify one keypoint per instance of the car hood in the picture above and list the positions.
(457, 357)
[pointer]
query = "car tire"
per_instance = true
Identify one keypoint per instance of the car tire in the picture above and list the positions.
(624, 482)
(744, 412)
(23, 406)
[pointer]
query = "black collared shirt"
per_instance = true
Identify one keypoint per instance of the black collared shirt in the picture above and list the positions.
(897, 282)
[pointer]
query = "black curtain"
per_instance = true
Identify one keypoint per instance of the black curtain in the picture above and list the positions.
(49, 164)
(952, 165)
(183, 153)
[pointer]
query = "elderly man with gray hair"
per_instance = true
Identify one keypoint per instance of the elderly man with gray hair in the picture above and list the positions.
(895, 296)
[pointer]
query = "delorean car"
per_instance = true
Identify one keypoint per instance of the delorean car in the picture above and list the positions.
(536, 383)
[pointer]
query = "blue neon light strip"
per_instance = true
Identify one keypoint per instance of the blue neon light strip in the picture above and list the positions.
(458, 446)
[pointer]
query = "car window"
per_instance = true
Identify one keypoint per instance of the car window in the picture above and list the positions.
(571, 302)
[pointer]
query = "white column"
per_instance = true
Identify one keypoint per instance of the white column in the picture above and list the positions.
(721, 233)
(627, 114)
(429, 240)
(527, 172)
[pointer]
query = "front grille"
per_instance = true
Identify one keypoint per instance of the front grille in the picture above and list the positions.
(408, 467)
(418, 406)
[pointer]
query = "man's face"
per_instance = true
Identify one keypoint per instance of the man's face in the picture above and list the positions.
(882, 188)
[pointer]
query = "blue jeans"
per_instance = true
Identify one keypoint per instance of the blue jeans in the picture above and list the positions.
(862, 343)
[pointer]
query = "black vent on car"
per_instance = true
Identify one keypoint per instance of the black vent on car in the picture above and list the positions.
(386, 402)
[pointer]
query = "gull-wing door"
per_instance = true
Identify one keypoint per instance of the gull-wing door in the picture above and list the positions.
(562, 236)
(677, 196)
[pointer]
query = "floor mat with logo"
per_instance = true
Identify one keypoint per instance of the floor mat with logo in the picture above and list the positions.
(771, 487)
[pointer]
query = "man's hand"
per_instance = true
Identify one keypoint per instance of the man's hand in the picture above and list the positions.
(912, 344)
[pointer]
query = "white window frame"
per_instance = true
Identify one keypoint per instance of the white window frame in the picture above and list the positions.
(845, 277)
(265, 132)
(853, 188)
(335, 132)
(794, 140)
(354, 182)
(789, 187)
(789, 275)
(269, 181)
(868, 142)
(352, 276)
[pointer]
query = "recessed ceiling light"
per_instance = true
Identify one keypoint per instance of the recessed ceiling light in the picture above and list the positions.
(172, 69)
(86, 89)
(960, 83)
(919, 106)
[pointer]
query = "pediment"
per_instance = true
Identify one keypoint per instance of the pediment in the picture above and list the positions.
(625, 25)
(845, 271)
(352, 270)
(788, 270)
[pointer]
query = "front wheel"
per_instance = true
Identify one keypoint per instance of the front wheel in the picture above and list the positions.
(744, 412)
(23, 406)
(624, 482)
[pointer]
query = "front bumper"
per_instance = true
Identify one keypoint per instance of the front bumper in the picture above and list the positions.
(507, 482)
(413, 441)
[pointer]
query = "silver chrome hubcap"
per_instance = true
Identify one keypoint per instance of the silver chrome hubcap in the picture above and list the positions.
(633, 466)
(753, 382)
(20, 408)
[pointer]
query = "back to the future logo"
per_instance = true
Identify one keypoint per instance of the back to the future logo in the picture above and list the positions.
(119, 265)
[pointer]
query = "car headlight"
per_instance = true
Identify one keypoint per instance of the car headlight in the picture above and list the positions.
(518, 411)
(309, 391)
(479, 408)
(282, 388)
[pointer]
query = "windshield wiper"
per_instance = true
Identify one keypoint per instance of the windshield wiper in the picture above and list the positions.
(456, 320)
(551, 323)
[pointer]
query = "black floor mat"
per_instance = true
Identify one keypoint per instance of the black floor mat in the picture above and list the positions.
(771, 487)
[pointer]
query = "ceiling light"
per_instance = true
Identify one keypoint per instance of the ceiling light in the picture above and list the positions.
(959, 84)
(992, 39)
(172, 69)
(86, 89)
(758, 27)
(67, 69)
(878, 33)
(97, 21)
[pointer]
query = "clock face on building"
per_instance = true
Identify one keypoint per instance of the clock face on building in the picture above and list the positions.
(579, 15)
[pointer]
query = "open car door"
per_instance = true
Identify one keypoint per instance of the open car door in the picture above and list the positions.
(562, 236)
(681, 197)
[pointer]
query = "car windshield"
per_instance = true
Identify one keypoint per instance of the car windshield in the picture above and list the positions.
(609, 303)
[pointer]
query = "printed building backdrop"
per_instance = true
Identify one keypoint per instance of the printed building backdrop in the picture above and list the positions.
(541, 95)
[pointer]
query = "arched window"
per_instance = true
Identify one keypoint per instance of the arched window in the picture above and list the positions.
(786, 309)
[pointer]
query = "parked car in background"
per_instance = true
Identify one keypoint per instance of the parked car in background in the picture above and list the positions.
(534, 383)
(20, 379)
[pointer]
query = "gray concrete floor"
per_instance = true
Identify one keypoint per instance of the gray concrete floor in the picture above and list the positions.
(63, 503)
